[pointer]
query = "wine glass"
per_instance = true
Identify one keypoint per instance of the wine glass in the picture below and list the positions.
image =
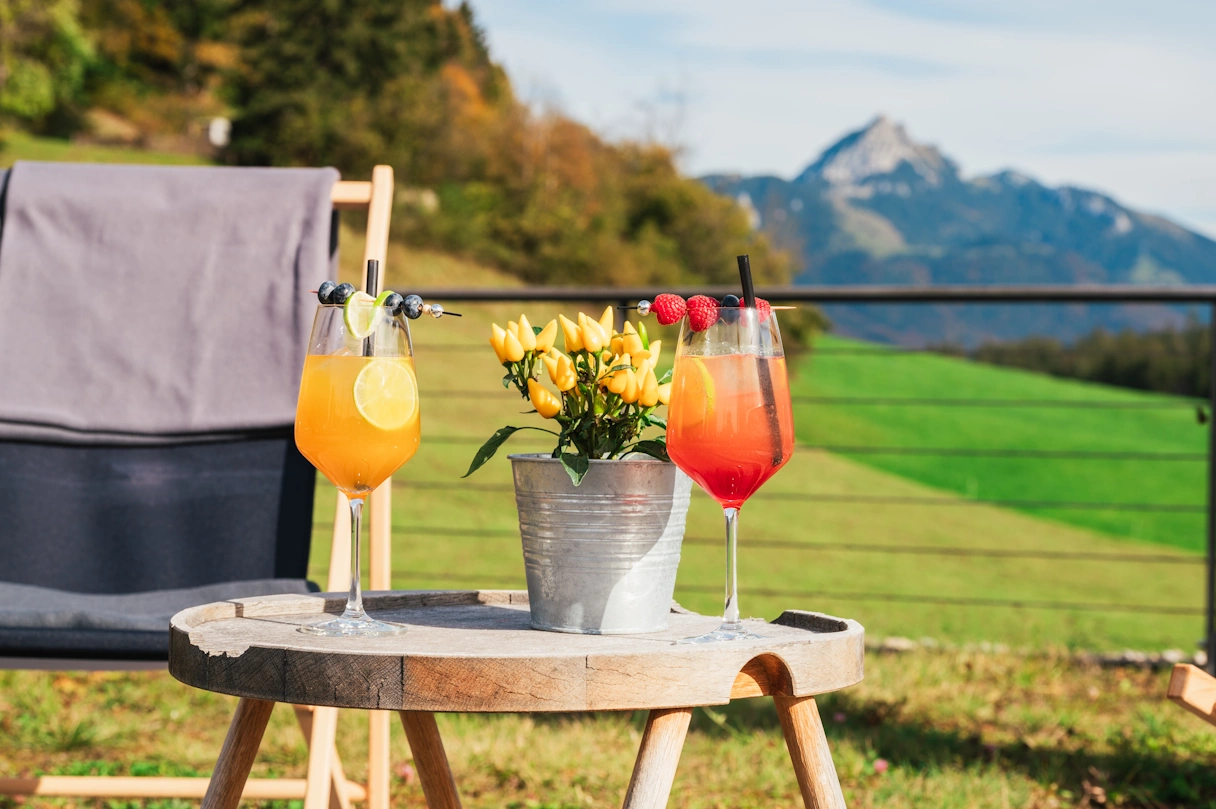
(729, 423)
(357, 421)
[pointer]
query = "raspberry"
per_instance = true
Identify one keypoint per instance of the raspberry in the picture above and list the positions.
(702, 312)
(764, 309)
(668, 308)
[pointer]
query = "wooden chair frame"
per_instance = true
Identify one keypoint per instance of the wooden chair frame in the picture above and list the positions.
(326, 786)
(1195, 690)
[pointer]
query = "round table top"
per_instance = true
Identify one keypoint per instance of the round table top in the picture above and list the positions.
(472, 651)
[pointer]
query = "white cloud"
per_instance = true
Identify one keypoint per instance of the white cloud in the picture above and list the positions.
(1102, 95)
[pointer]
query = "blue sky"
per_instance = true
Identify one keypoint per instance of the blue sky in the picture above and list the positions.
(1116, 96)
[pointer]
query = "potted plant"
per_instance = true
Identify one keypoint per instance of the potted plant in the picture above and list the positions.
(602, 516)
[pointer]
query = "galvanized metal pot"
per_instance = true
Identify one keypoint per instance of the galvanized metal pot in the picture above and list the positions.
(601, 558)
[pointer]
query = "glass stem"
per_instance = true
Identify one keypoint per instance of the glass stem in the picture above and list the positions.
(354, 601)
(730, 614)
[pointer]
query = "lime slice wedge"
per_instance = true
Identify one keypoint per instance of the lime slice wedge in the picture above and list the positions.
(383, 296)
(361, 315)
(386, 393)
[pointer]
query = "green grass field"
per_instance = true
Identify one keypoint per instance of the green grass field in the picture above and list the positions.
(958, 729)
(1169, 427)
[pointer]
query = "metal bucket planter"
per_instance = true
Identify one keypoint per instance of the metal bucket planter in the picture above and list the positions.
(601, 558)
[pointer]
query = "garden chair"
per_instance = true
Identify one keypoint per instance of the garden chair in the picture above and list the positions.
(64, 606)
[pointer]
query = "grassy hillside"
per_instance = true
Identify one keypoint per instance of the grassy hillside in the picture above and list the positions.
(16, 145)
(1126, 422)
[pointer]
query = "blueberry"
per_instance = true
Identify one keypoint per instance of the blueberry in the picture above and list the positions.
(411, 307)
(392, 302)
(325, 292)
(730, 309)
(342, 294)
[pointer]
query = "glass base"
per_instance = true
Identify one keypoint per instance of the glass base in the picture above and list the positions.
(726, 632)
(347, 627)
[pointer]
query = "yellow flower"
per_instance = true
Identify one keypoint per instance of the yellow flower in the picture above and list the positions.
(665, 393)
(632, 341)
(511, 348)
(619, 380)
(544, 340)
(527, 337)
(497, 336)
(606, 321)
(593, 338)
(561, 371)
(649, 394)
(543, 399)
(574, 335)
(632, 389)
(656, 348)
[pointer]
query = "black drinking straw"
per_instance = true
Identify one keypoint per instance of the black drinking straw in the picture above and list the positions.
(371, 287)
(766, 378)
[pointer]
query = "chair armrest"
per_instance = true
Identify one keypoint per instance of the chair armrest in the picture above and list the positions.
(1194, 689)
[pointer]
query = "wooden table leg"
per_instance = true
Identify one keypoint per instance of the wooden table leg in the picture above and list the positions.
(378, 759)
(809, 751)
(237, 754)
(339, 792)
(430, 759)
(659, 755)
(321, 752)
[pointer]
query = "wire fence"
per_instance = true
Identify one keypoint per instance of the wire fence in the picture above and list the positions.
(1098, 456)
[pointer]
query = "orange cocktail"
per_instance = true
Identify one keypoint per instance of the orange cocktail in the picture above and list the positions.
(724, 429)
(357, 419)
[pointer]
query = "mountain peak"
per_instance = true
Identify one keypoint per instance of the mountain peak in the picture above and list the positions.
(878, 148)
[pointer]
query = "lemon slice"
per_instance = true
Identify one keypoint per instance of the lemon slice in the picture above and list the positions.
(386, 393)
(696, 390)
(361, 315)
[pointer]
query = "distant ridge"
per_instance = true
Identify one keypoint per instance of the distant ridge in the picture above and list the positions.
(878, 207)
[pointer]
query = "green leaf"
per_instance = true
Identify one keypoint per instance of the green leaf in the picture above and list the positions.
(654, 448)
(537, 329)
(506, 381)
(576, 466)
(656, 421)
(489, 448)
(665, 378)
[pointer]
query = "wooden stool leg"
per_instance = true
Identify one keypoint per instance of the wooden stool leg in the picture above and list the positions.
(339, 792)
(659, 755)
(237, 754)
(809, 751)
(321, 753)
(430, 759)
(378, 759)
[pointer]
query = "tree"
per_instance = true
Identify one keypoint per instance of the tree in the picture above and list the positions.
(44, 54)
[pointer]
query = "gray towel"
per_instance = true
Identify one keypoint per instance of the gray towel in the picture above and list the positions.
(148, 304)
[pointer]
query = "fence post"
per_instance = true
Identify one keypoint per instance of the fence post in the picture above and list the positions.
(1210, 627)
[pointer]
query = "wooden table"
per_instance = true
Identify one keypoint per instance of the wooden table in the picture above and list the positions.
(472, 651)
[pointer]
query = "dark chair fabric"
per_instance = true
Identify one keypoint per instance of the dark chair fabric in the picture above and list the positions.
(83, 528)
(43, 622)
(95, 519)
